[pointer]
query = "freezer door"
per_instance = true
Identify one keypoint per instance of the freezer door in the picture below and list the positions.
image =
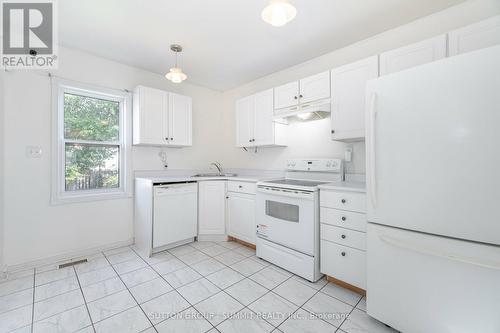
(433, 152)
(423, 283)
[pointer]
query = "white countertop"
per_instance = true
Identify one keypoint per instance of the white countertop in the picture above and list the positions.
(190, 178)
(354, 186)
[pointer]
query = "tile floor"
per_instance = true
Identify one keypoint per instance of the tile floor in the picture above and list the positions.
(199, 287)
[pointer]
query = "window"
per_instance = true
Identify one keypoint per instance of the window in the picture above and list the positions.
(91, 142)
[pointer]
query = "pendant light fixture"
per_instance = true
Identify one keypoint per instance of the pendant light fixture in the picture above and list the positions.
(176, 75)
(279, 12)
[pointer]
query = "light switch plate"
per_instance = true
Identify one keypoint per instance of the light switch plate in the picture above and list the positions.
(34, 151)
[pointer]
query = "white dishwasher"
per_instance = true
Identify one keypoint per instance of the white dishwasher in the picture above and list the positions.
(175, 213)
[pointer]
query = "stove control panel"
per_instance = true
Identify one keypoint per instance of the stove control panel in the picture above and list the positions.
(319, 165)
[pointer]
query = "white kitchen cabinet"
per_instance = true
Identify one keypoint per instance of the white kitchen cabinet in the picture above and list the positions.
(413, 55)
(161, 118)
(241, 216)
(475, 36)
(315, 87)
(211, 207)
(255, 126)
(348, 98)
(286, 95)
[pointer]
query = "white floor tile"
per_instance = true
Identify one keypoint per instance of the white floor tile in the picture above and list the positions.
(182, 276)
(362, 304)
(16, 300)
(140, 276)
(52, 306)
(122, 257)
(92, 265)
(158, 257)
(229, 245)
(193, 257)
(168, 266)
(12, 286)
(245, 251)
(15, 319)
(130, 321)
(247, 267)
(202, 244)
(163, 307)
(218, 308)
(295, 292)
(225, 278)
(149, 290)
(273, 308)
(229, 258)
(207, 267)
(56, 288)
(110, 305)
(345, 295)
(25, 329)
(129, 266)
(198, 290)
(102, 289)
(328, 308)
(54, 275)
(181, 250)
(188, 321)
(245, 321)
(117, 250)
(360, 322)
(95, 276)
(214, 250)
(304, 322)
(269, 277)
(68, 321)
(316, 285)
(18, 274)
(246, 291)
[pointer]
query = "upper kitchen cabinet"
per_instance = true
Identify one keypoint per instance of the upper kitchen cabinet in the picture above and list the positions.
(312, 88)
(413, 55)
(255, 126)
(476, 36)
(348, 98)
(161, 118)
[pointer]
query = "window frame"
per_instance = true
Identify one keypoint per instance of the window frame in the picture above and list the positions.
(59, 193)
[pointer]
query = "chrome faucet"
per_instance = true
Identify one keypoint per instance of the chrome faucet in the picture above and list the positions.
(218, 166)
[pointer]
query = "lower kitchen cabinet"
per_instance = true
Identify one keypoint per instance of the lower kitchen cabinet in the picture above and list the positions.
(211, 207)
(241, 216)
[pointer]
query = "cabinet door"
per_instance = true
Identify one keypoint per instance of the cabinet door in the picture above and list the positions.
(413, 55)
(263, 120)
(476, 36)
(348, 98)
(180, 120)
(245, 115)
(150, 116)
(286, 95)
(241, 216)
(315, 87)
(212, 206)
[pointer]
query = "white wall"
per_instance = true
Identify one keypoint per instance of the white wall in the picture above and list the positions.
(37, 230)
(311, 139)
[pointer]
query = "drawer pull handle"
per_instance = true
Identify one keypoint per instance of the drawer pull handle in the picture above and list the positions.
(343, 201)
(343, 254)
(343, 236)
(343, 218)
(240, 186)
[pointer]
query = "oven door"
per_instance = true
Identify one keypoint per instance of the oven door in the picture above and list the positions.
(287, 217)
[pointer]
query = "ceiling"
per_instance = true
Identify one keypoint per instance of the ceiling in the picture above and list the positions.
(225, 42)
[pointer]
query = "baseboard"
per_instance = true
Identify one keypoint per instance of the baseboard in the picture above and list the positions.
(212, 238)
(66, 257)
(346, 285)
(239, 241)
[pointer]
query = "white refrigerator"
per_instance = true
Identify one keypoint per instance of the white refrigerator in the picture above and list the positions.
(433, 184)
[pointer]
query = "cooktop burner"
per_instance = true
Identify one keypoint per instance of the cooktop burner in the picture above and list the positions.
(296, 182)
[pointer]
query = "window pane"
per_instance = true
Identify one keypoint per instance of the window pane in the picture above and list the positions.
(87, 118)
(91, 167)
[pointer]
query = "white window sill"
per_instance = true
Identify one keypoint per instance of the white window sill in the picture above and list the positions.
(88, 196)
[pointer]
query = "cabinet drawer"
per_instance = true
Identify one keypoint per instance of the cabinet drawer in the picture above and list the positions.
(343, 263)
(342, 218)
(241, 187)
(343, 236)
(352, 201)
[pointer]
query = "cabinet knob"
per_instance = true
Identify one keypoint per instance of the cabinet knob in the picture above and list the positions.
(250, 140)
(333, 131)
(343, 218)
(227, 197)
(301, 96)
(172, 139)
(240, 186)
(343, 236)
(295, 97)
(343, 201)
(166, 139)
(343, 254)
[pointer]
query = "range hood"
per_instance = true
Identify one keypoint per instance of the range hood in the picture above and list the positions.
(304, 112)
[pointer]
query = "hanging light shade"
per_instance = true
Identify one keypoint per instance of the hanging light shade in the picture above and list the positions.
(175, 74)
(279, 13)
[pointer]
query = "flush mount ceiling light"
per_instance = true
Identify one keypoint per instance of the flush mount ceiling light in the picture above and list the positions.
(176, 75)
(279, 13)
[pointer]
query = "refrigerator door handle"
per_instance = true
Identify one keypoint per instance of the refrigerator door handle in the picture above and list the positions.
(372, 172)
(413, 247)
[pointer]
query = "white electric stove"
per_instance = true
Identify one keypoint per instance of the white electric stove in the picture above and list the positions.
(288, 215)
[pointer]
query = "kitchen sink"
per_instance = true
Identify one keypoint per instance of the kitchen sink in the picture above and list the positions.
(215, 175)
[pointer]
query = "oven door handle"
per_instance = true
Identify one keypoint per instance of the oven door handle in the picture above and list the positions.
(286, 193)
